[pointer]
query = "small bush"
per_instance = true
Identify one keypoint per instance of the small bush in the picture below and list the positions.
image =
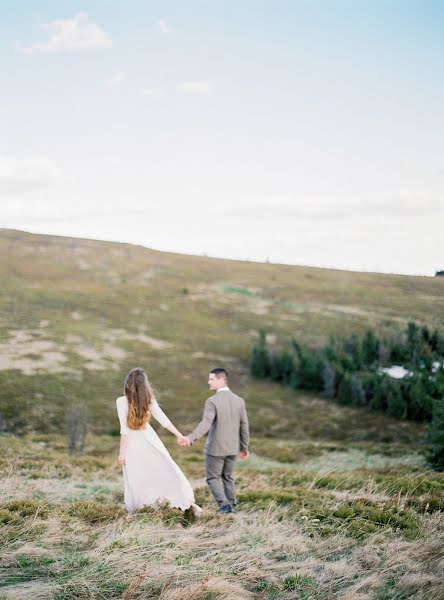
(363, 517)
(297, 582)
(164, 513)
(95, 512)
(15, 511)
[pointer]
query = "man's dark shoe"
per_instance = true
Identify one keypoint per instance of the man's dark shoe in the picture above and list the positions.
(225, 509)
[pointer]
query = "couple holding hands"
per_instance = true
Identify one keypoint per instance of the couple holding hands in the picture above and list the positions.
(150, 474)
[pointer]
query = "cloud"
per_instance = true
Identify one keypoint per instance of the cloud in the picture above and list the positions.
(22, 175)
(407, 203)
(163, 26)
(110, 160)
(70, 35)
(116, 78)
(155, 92)
(198, 88)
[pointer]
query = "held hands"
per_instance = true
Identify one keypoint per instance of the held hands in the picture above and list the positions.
(183, 441)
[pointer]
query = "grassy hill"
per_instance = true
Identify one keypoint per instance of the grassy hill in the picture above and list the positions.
(335, 502)
(76, 315)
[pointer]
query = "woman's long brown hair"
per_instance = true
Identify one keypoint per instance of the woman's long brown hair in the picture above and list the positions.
(140, 396)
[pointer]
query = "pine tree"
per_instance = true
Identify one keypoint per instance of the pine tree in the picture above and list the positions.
(345, 391)
(356, 390)
(419, 402)
(381, 392)
(435, 455)
(352, 347)
(329, 380)
(398, 348)
(370, 348)
(281, 367)
(383, 354)
(260, 359)
(414, 343)
(396, 406)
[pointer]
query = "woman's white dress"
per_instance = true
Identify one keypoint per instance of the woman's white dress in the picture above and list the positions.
(150, 475)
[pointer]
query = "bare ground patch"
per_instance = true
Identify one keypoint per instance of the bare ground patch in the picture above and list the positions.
(29, 353)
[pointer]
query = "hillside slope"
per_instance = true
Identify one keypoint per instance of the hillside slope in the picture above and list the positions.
(76, 315)
(334, 502)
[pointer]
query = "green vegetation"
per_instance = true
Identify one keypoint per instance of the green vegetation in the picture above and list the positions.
(436, 436)
(350, 371)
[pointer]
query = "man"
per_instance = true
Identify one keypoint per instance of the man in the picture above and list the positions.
(225, 418)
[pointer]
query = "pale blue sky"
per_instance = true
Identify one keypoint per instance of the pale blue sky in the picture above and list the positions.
(303, 132)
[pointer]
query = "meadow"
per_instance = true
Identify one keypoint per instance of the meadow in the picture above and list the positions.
(334, 502)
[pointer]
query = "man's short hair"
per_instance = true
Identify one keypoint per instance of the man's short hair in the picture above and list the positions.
(219, 372)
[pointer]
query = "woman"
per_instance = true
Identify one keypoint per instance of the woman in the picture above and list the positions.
(150, 474)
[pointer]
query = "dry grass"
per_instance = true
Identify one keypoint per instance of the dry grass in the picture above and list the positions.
(288, 539)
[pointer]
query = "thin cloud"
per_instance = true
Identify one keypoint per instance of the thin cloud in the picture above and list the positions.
(23, 175)
(163, 26)
(116, 78)
(197, 88)
(326, 208)
(70, 35)
(155, 92)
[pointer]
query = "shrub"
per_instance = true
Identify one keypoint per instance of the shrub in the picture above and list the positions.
(95, 512)
(16, 510)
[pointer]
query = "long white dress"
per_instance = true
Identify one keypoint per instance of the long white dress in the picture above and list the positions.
(150, 475)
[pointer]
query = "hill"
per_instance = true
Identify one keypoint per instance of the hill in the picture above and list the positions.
(77, 314)
(334, 502)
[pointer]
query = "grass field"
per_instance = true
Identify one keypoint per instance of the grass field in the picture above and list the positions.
(316, 520)
(335, 502)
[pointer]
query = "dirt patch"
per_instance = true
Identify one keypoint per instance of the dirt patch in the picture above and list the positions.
(28, 353)
(115, 335)
(216, 358)
(84, 265)
(150, 341)
(73, 339)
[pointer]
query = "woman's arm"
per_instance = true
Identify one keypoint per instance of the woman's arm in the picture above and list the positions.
(123, 445)
(161, 417)
(122, 410)
(174, 431)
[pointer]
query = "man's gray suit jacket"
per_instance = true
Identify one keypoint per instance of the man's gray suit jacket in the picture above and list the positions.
(225, 418)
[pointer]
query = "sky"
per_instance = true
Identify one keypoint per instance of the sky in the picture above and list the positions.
(296, 131)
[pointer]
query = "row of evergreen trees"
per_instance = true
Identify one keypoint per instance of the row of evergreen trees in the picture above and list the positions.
(349, 371)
